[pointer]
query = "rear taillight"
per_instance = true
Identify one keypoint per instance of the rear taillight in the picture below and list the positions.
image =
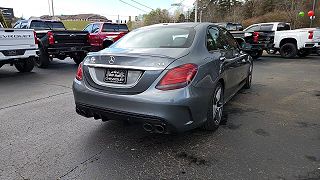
(310, 35)
(35, 37)
(79, 74)
(178, 77)
(50, 37)
(255, 37)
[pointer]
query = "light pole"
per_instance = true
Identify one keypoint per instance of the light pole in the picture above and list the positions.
(313, 9)
(52, 8)
(196, 11)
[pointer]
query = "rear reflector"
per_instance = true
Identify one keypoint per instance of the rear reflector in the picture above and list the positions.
(35, 37)
(178, 77)
(50, 38)
(256, 37)
(79, 74)
(310, 35)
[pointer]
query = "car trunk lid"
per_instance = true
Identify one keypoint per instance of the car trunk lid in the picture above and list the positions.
(128, 71)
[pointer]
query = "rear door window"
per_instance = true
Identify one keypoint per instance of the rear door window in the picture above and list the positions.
(266, 27)
(212, 38)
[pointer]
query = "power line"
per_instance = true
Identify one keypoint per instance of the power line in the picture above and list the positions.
(132, 6)
(177, 3)
(142, 4)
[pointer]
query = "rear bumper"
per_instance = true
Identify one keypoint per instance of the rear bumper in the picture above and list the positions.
(28, 54)
(67, 50)
(312, 45)
(177, 110)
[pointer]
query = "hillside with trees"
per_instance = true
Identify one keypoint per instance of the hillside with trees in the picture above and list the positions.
(245, 11)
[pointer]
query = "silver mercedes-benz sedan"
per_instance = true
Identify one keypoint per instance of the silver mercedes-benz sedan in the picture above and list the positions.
(168, 77)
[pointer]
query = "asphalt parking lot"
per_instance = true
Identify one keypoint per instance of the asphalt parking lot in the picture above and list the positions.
(271, 131)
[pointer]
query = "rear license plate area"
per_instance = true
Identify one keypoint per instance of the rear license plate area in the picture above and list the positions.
(116, 76)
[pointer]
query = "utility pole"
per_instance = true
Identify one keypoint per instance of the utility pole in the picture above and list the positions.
(52, 8)
(313, 9)
(196, 11)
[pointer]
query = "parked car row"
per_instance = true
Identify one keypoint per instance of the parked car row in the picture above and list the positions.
(278, 36)
(50, 39)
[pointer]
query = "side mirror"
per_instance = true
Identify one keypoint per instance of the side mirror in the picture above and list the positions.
(107, 43)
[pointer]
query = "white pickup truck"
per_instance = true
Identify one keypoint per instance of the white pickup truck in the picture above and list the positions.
(289, 43)
(18, 47)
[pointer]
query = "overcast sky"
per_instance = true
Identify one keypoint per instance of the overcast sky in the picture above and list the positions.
(108, 8)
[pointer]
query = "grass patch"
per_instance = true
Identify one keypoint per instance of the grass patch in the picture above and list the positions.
(76, 25)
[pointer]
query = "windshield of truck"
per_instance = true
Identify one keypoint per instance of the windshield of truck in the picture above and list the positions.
(157, 38)
(108, 27)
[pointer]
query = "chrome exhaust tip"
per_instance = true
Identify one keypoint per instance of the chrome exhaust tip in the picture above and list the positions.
(147, 127)
(159, 128)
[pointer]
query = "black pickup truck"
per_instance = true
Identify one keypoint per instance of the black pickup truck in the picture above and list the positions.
(57, 42)
(251, 42)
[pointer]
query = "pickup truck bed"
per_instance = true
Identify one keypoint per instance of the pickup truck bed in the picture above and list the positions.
(57, 42)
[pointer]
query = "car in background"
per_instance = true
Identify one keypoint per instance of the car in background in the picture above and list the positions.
(231, 26)
(19, 48)
(168, 77)
(55, 41)
(101, 33)
(290, 43)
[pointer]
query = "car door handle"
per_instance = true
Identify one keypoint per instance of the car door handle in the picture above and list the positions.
(222, 58)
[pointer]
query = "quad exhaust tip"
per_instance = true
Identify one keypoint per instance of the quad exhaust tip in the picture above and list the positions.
(154, 128)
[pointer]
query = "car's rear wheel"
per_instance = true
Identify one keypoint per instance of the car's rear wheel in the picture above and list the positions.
(25, 66)
(44, 60)
(215, 109)
(247, 85)
(289, 50)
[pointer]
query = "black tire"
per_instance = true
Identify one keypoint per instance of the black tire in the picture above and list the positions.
(44, 60)
(289, 50)
(256, 54)
(215, 109)
(247, 85)
(25, 66)
(79, 58)
(304, 53)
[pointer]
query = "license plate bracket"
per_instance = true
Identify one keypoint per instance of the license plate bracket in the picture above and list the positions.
(116, 76)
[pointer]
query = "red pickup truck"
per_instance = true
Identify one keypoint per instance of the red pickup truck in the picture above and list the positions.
(100, 31)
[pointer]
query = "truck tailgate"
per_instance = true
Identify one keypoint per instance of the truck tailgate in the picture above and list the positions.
(70, 38)
(17, 39)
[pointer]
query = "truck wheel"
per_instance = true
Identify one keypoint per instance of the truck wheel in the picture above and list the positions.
(304, 53)
(79, 58)
(289, 50)
(256, 54)
(25, 66)
(44, 60)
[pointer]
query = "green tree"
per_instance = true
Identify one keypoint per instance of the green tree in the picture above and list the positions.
(181, 18)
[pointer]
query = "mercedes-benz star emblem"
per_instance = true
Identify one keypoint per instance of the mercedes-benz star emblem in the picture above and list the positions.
(112, 60)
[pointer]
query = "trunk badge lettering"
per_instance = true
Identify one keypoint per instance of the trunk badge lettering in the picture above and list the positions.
(112, 60)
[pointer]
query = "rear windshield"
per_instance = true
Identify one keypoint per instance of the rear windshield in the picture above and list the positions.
(283, 27)
(46, 25)
(114, 27)
(168, 37)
